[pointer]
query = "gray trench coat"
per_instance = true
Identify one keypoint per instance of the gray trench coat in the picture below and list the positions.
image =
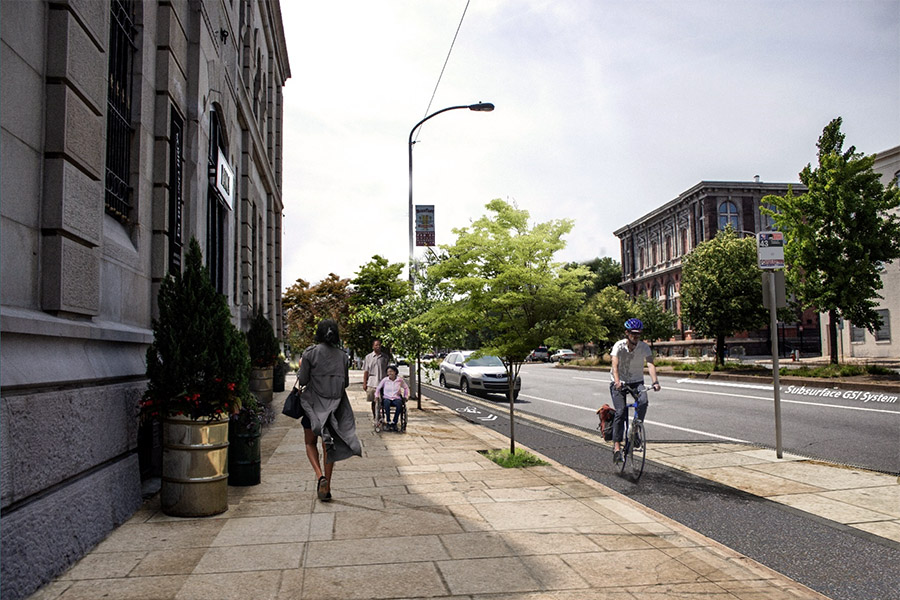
(324, 370)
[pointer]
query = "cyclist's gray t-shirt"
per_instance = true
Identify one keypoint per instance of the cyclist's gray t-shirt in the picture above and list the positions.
(631, 363)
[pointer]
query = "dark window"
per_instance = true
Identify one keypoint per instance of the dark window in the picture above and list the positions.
(728, 215)
(670, 297)
(118, 112)
(857, 334)
(883, 333)
(216, 209)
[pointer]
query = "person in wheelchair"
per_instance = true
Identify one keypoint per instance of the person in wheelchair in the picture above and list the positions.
(392, 391)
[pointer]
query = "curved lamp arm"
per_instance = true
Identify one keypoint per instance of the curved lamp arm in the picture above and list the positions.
(479, 107)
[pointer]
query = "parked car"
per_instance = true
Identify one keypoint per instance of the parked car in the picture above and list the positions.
(563, 355)
(541, 353)
(476, 375)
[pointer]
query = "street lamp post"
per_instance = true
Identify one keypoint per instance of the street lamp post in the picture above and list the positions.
(480, 107)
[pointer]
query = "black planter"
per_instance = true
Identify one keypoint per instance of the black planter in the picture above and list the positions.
(244, 465)
(279, 373)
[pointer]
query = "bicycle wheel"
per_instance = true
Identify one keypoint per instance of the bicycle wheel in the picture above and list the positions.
(636, 456)
(625, 448)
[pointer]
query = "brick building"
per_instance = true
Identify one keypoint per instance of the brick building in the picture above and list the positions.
(653, 246)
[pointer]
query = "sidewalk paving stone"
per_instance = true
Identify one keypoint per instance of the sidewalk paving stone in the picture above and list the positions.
(424, 515)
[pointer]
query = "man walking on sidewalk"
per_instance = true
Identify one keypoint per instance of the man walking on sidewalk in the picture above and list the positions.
(374, 369)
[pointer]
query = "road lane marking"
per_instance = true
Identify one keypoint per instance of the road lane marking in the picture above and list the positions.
(755, 386)
(655, 423)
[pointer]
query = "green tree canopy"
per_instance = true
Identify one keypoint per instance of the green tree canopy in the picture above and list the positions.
(306, 305)
(605, 272)
(506, 287)
(376, 283)
(613, 307)
(659, 324)
(721, 288)
(838, 234)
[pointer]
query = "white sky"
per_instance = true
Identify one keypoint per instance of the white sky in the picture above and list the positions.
(605, 110)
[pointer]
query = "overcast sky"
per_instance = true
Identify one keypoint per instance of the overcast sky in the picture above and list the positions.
(605, 110)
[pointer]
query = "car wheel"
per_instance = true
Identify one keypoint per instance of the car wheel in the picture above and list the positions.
(515, 395)
(464, 386)
(442, 381)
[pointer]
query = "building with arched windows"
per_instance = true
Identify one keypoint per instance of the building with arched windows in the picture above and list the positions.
(678, 227)
(128, 127)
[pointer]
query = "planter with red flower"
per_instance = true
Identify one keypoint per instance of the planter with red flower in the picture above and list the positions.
(198, 369)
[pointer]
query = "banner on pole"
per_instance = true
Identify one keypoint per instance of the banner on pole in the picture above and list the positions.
(424, 224)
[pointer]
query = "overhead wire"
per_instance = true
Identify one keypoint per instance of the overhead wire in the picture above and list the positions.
(446, 60)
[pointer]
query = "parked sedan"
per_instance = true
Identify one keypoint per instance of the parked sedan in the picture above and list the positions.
(562, 355)
(476, 375)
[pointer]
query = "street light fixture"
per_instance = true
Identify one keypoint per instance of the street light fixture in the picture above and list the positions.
(479, 107)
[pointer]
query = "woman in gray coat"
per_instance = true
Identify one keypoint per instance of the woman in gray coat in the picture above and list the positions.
(324, 370)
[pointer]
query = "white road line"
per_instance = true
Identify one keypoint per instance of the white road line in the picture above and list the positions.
(655, 423)
(755, 386)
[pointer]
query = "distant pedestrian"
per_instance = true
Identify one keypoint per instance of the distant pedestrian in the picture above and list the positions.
(324, 370)
(374, 370)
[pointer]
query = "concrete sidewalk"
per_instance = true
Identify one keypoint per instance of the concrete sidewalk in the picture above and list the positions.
(420, 515)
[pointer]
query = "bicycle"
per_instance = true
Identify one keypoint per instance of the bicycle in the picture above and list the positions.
(634, 448)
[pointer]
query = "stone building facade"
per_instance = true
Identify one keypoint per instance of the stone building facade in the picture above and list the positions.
(857, 342)
(128, 126)
(652, 248)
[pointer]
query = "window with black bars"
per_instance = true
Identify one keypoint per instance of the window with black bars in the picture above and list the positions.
(118, 113)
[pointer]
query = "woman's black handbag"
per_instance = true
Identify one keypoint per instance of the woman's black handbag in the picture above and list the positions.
(292, 407)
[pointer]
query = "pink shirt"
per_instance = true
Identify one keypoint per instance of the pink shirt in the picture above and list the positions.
(392, 390)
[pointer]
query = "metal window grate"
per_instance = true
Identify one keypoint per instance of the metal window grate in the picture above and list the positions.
(118, 119)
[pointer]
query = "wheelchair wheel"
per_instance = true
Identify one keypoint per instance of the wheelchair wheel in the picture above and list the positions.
(402, 410)
(379, 422)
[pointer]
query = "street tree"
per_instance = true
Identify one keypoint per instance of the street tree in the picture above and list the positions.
(305, 305)
(838, 234)
(605, 272)
(507, 288)
(659, 324)
(720, 288)
(612, 307)
(377, 283)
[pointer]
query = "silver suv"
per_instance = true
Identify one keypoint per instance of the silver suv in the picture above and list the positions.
(476, 375)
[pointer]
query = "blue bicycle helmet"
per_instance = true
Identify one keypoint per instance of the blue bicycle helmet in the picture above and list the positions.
(634, 324)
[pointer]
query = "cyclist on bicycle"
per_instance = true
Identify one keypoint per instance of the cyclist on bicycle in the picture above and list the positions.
(628, 357)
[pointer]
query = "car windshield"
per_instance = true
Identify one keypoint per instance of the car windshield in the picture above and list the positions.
(484, 361)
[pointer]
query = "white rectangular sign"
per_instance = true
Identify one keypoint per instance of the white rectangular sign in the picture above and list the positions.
(770, 249)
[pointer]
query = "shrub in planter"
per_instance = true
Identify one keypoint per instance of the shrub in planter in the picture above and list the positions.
(279, 374)
(264, 350)
(198, 370)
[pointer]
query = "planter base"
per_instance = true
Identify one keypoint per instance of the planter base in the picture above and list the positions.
(195, 467)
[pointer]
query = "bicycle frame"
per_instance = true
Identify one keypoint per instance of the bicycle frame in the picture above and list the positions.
(628, 446)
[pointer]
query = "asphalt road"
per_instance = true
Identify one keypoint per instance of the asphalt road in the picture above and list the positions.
(843, 429)
(842, 563)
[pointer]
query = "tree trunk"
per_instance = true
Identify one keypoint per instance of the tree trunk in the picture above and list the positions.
(511, 383)
(832, 336)
(720, 350)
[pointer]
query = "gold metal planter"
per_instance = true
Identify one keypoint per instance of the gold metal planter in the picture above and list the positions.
(261, 384)
(195, 467)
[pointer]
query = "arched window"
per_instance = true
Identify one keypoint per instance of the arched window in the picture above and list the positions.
(668, 247)
(670, 297)
(656, 293)
(728, 215)
(653, 255)
(641, 259)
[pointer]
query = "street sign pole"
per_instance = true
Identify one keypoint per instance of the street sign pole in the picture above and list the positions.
(773, 324)
(770, 254)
